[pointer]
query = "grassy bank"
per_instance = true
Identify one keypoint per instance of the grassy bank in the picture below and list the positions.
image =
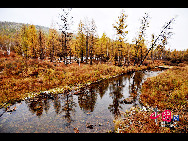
(168, 90)
(20, 78)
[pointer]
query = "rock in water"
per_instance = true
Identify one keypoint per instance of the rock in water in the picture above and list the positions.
(90, 126)
(11, 110)
(76, 130)
(128, 100)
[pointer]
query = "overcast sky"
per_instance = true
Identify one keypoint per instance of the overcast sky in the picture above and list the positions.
(105, 17)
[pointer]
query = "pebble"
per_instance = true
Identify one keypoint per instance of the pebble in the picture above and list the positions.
(11, 110)
(100, 124)
(76, 130)
(89, 126)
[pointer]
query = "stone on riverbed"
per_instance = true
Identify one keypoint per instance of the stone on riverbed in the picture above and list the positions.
(128, 100)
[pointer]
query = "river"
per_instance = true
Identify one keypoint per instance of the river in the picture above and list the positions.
(91, 111)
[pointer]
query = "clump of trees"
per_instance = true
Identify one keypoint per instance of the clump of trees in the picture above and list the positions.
(86, 46)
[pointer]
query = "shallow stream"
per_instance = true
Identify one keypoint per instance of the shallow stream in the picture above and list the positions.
(91, 111)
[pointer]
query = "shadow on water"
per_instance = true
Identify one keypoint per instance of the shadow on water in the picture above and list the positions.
(90, 109)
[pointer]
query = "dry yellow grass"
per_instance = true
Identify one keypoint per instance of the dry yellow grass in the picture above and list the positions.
(168, 90)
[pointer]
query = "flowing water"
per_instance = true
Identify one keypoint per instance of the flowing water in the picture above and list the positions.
(91, 111)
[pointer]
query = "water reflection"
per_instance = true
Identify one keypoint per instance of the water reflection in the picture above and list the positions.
(67, 107)
(102, 101)
(87, 98)
(38, 103)
(116, 95)
(57, 103)
(136, 85)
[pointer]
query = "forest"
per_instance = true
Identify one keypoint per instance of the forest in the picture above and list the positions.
(35, 58)
(85, 46)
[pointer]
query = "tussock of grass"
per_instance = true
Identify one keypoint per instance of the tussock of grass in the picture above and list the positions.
(167, 90)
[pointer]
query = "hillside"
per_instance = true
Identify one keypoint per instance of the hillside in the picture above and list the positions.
(13, 27)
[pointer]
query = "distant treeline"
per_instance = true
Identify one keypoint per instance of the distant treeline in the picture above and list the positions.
(40, 42)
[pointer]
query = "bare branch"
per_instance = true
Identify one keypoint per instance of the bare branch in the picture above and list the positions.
(162, 34)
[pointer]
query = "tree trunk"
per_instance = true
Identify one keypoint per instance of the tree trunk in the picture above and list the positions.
(70, 55)
(91, 57)
(82, 56)
(86, 47)
(140, 54)
(152, 55)
(65, 49)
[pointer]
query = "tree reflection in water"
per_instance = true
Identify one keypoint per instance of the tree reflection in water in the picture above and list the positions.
(65, 105)
(116, 95)
(87, 99)
(57, 103)
(136, 85)
(117, 92)
(38, 103)
(68, 106)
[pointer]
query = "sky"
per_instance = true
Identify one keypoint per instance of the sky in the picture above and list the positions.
(105, 17)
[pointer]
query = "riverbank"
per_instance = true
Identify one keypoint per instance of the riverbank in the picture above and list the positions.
(21, 78)
(169, 91)
(90, 109)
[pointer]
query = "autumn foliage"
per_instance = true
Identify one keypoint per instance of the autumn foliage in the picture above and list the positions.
(33, 60)
(169, 91)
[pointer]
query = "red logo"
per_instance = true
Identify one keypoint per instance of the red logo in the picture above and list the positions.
(166, 115)
(152, 116)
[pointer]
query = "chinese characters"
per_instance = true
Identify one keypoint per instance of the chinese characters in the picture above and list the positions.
(166, 117)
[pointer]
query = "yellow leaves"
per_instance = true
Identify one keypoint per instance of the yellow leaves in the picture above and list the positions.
(166, 88)
(32, 41)
(121, 26)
